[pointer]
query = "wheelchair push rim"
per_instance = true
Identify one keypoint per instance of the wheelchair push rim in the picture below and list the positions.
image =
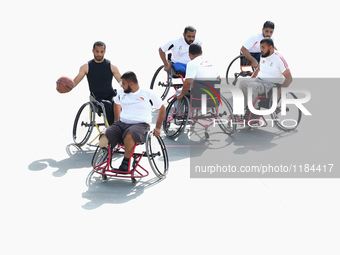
(83, 124)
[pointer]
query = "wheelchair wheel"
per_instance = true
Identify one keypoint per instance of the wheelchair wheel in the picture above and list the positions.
(161, 82)
(234, 70)
(100, 155)
(83, 124)
(225, 118)
(157, 155)
(176, 117)
(291, 120)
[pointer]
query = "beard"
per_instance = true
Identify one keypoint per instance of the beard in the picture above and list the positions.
(128, 90)
(99, 58)
(266, 54)
(188, 42)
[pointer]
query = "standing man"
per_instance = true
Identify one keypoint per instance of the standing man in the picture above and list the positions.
(132, 117)
(251, 48)
(179, 48)
(99, 72)
(272, 71)
(197, 68)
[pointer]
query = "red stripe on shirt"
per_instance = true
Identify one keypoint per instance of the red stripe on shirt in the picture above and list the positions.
(283, 60)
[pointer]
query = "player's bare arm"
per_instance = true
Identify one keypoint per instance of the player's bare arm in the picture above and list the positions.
(256, 72)
(247, 54)
(159, 122)
(186, 87)
(116, 73)
(288, 75)
(162, 54)
(83, 70)
(117, 109)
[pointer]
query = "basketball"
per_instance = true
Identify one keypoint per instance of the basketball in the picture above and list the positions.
(64, 84)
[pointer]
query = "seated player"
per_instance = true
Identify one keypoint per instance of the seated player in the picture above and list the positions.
(251, 48)
(100, 72)
(132, 117)
(197, 68)
(272, 71)
(179, 49)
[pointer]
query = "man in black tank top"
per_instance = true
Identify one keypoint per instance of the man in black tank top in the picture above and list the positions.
(99, 72)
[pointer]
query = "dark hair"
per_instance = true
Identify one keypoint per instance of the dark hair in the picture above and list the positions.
(130, 76)
(268, 24)
(189, 28)
(268, 41)
(99, 43)
(195, 49)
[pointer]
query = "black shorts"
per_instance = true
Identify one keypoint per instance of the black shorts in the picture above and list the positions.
(117, 132)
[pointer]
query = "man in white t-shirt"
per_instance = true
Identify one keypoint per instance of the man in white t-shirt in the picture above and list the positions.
(197, 68)
(273, 71)
(179, 48)
(251, 48)
(132, 110)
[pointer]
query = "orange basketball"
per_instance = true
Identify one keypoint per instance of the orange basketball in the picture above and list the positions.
(64, 84)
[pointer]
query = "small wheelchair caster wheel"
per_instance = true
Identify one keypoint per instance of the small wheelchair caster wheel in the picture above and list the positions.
(206, 135)
(133, 180)
(248, 129)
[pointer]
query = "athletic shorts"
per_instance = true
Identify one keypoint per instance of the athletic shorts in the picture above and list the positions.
(180, 67)
(118, 130)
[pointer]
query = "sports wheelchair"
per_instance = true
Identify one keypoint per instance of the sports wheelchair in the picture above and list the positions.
(189, 110)
(243, 69)
(155, 151)
(162, 82)
(293, 114)
(85, 121)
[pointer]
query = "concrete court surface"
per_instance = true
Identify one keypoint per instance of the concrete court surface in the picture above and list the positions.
(47, 207)
(50, 209)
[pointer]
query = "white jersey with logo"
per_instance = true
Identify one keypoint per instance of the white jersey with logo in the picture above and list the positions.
(253, 43)
(136, 107)
(199, 68)
(272, 68)
(180, 50)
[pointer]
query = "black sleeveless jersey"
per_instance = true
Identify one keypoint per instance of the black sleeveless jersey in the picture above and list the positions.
(99, 78)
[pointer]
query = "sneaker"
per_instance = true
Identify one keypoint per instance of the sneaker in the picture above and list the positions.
(124, 167)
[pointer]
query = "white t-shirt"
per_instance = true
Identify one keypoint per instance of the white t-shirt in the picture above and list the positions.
(253, 43)
(272, 68)
(199, 68)
(136, 107)
(180, 50)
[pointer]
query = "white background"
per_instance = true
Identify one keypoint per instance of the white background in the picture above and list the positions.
(50, 210)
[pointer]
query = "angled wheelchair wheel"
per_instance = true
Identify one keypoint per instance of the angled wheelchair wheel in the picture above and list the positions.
(100, 155)
(176, 117)
(83, 124)
(225, 118)
(161, 82)
(157, 155)
(291, 120)
(238, 68)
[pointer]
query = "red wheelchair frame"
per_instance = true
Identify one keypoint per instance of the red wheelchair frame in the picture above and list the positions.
(135, 169)
(265, 102)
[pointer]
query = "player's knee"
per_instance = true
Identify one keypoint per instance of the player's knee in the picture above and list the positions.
(103, 141)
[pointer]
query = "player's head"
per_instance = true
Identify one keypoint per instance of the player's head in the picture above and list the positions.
(189, 34)
(268, 29)
(194, 50)
(267, 47)
(99, 49)
(129, 82)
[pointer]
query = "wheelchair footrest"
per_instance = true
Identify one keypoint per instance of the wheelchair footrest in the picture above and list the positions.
(105, 169)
